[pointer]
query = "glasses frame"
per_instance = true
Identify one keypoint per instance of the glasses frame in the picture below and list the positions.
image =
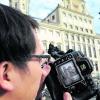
(47, 56)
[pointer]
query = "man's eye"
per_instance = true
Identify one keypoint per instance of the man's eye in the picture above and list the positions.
(40, 60)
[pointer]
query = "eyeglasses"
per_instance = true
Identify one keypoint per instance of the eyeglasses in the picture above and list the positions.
(43, 58)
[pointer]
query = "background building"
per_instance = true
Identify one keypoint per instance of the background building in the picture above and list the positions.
(22, 5)
(69, 26)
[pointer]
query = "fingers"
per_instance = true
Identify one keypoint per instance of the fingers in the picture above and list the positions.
(67, 96)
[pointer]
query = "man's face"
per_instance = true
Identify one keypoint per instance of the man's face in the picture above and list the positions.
(27, 83)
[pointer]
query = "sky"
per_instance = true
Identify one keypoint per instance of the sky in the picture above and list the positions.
(41, 8)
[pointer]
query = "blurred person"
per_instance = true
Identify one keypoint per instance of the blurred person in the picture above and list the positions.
(22, 57)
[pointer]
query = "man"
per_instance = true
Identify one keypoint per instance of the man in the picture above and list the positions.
(21, 57)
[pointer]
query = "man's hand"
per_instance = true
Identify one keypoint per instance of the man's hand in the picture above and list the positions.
(67, 96)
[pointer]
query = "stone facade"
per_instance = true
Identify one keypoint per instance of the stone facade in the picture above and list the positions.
(22, 5)
(69, 26)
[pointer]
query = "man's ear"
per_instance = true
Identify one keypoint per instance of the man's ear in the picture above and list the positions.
(5, 82)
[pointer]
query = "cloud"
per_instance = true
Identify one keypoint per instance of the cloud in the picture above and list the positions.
(6, 2)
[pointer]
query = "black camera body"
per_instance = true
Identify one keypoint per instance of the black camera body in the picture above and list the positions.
(71, 71)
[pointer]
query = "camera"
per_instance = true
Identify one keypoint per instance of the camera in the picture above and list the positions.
(71, 71)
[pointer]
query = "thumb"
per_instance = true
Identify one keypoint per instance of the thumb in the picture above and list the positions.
(67, 96)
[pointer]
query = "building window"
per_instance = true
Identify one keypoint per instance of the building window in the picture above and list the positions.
(94, 51)
(83, 39)
(88, 40)
(66, 36)
(23, 6)
(85, 20)
(78, 38)
(71, 26)
(76, 27)
(48, 20)
(10, 3)
(98, 41)
(96, 65)
(83, 7)
(72, 37)
(67, 6)
(75, 6)
(90, 21)
(84, 49)
(91, 31)
(75, 17)
(70, 15)
(65, 25)
(16, 5)
(87, 30)
(90, 53)
(92, 62)
(93, 41)
(81, 29)
(80, 18)
(53, 17)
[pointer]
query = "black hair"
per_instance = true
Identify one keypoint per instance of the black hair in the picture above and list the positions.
(17, 39)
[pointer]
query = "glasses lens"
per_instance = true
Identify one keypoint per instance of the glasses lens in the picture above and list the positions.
(43, 59)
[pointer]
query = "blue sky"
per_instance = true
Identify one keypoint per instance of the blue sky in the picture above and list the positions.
(41, 8)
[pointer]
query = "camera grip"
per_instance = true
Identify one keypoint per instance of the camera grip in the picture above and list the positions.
(54, 89)
(53, 85)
